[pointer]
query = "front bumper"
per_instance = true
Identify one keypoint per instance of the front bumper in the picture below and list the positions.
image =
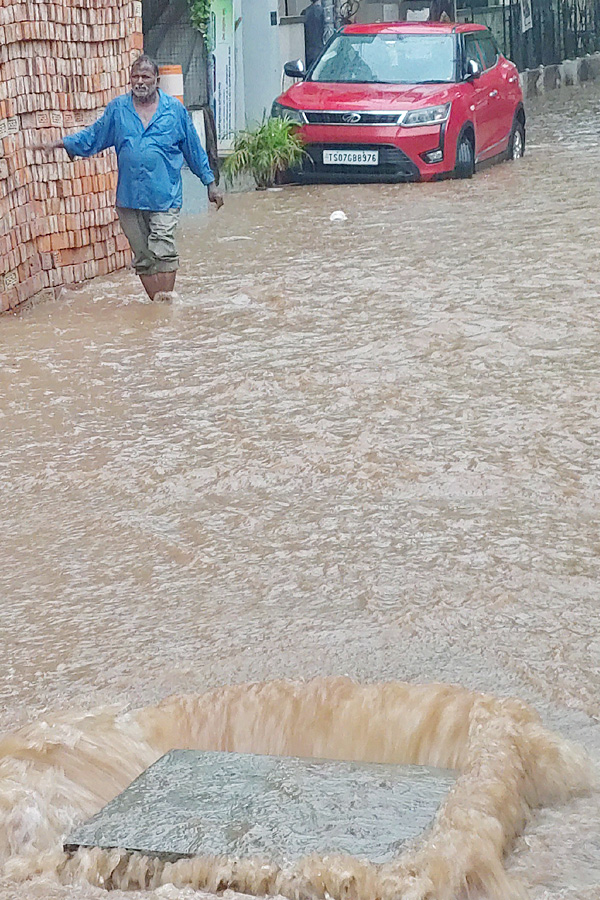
(394, 165)
(400, 153)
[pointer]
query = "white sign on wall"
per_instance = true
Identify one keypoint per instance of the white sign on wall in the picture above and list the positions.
(222, 67)
(526, 15)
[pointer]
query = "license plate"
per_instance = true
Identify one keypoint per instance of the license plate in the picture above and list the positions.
(350, 157)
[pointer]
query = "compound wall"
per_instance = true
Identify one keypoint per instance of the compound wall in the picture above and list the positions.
(60, 64)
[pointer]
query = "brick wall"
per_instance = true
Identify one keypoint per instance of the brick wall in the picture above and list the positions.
(60, 64)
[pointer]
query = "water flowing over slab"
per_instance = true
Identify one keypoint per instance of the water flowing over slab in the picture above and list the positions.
(195, 803)
(61, 770)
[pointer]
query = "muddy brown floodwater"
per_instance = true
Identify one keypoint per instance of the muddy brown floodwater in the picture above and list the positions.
(367, 447)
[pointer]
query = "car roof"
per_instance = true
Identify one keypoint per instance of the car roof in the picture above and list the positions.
(414, 28)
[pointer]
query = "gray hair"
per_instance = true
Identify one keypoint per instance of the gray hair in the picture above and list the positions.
(145, 60)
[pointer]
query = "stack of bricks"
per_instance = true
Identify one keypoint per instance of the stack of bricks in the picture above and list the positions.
(60, 64)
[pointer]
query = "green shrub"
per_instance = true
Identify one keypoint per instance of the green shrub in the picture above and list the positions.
(264, 152)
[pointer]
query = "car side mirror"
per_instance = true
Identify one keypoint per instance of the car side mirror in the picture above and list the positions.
(295, 69)
(473, 69)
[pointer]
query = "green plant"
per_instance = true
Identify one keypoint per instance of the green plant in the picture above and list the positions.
(200, 16)
(264, 152)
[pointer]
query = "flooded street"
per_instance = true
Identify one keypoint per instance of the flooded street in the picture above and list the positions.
(365, 448)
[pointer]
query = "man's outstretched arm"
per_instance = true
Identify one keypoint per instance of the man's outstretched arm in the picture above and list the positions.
(88, 141)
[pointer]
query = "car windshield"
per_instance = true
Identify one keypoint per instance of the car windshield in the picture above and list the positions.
(387, 59)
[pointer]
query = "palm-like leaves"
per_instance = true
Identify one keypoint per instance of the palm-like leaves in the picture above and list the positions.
(265, 151)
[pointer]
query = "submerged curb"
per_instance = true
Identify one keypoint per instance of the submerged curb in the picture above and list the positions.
(535, 82)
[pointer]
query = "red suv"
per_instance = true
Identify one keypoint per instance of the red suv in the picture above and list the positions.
(403, 102)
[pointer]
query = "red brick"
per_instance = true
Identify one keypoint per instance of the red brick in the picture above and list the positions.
(54, 213)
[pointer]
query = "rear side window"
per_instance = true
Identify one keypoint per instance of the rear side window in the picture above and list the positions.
(488, 49)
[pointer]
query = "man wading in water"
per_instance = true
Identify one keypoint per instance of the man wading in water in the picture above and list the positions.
(153, 134)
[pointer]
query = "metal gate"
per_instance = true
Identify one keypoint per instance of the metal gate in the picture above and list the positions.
(560, 29)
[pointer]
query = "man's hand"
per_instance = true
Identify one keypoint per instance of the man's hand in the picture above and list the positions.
(214, 195)
(48, 146)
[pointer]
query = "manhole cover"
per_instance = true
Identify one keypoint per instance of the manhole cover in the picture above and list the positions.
(192, 803)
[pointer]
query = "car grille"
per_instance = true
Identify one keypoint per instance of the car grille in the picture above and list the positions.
(352, 118)
(393, 163)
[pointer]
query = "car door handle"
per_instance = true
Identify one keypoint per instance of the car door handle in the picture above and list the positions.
(493, 93)
(513, 78)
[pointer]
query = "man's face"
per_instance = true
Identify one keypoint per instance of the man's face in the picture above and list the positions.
(144, 82)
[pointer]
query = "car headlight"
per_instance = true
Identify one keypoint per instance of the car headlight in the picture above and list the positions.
(431, 115)
(287, 112)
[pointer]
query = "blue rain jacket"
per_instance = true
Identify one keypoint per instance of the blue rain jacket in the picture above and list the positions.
(150, 159)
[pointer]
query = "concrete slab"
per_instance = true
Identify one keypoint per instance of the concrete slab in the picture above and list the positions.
(193, 803)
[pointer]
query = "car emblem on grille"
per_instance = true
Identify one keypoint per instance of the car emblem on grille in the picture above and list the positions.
(351, 118)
